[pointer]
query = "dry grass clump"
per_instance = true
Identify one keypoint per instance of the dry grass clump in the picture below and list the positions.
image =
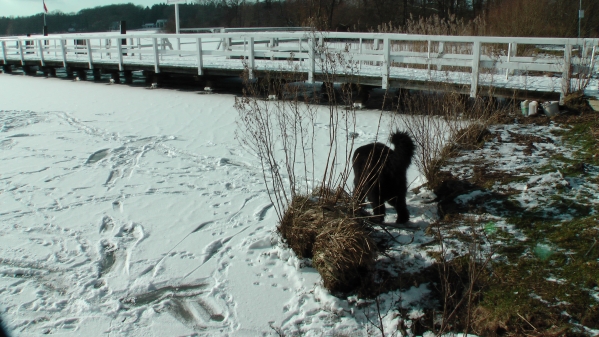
(323, 227)
(300, 224)
(344, 255)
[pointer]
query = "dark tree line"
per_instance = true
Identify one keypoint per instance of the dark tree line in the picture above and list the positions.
(96, 19)
(489, 17)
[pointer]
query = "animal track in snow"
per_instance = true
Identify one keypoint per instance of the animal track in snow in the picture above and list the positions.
(260, 214)
(97, 156)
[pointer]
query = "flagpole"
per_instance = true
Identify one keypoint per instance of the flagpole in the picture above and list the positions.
(45, 31)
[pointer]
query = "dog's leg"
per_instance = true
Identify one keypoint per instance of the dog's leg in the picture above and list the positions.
(378, 204)
(403, 215)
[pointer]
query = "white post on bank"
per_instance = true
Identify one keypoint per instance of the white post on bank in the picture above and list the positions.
(177, 26)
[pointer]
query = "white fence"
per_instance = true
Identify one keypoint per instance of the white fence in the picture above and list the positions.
(386, 56)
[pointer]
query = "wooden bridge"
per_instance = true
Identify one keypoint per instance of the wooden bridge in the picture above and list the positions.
(526, 67)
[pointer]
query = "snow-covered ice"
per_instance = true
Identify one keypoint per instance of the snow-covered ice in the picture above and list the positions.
(135, 212)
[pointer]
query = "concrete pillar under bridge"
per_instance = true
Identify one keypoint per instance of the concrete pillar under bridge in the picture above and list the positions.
(351, 94)
(115, 76)
(128, 74)
(70, 72)
(49, 71)
(7, 69)
(30, 70)
(355, 94)
(81, 74)
(271, 88)
(154, 79)
(97, 73)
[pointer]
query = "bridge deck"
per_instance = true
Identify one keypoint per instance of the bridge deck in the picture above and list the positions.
(467, 64)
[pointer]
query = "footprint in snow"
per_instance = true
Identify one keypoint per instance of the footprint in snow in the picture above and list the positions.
(97, 156)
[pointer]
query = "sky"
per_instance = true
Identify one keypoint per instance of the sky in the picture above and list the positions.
(31, 7)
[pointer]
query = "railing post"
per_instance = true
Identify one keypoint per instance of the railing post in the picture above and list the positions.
(312, 56)
(119, 44)
(566, 73)
(199, 49)
(386, 62)
(41, 51)
(90, 59)
(155, 45)
(64, 53)
(21, 52)
(512, 52)
(224, 40)
(428, 57)
(441, 52)
(3, 51)
(251, 58)
(475, 66)
(139, 47)
(360, 52)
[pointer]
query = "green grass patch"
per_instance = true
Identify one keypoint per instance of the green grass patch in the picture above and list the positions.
(580, 136)
(546, 277)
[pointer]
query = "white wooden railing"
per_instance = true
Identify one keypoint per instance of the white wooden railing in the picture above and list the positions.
(373, 54)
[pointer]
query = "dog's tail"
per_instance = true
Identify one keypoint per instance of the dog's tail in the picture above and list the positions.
(404, 146)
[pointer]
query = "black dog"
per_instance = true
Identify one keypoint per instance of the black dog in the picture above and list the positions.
(380, 175)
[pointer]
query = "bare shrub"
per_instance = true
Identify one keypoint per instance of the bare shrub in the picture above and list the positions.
(316, 215)
(441, 123)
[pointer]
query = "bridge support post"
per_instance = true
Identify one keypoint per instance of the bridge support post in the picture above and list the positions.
(154, 78)
(128, 76)
(115, 76)
(7, 69)
(49, 71)
(275, 88)
(353, 94)
(148, 76)
(475, 68)
(567, 72)
(328, 91)
(29, 70)
(69, 72)
(97, 74)
(81, 74)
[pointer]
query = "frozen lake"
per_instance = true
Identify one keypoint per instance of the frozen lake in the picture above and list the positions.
(129, 211)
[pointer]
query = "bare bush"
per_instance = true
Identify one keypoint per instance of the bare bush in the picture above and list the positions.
(441, 123)
(282, 132)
